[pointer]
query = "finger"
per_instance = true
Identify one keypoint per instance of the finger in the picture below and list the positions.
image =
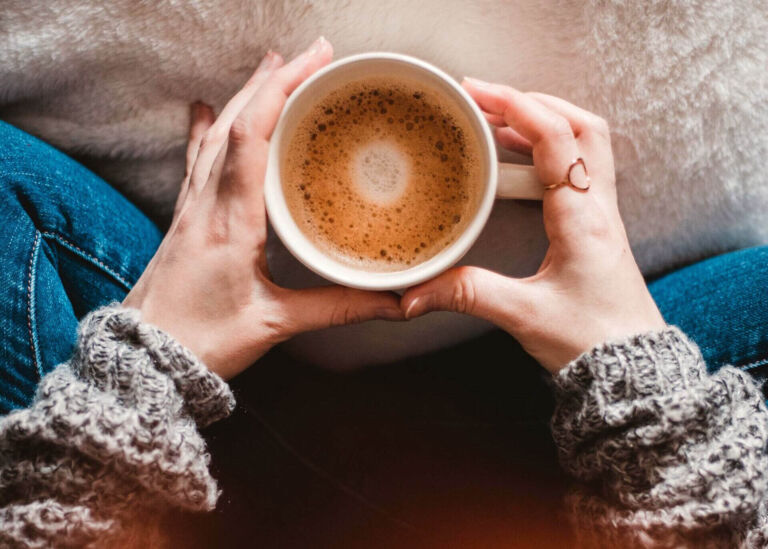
(252, 128)
(473, 291)
(202, 118)
(594, 140)
(326, 306)
(506, 136)
(271, 62)
(582, 121)
(259, 116)
(216, 135)
(549, 133)
(512, 140)
(554, 150)
(495, 119)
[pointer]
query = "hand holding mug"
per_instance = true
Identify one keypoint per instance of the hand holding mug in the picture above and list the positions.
(208, 284)
(588, 289)
(382, 172)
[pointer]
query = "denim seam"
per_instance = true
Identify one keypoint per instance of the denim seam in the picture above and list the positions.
(31, 318)
(755, 364)
(73, 247)
(47, 178)
(88, 257)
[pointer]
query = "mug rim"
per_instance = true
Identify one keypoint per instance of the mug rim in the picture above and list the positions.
(310, 255)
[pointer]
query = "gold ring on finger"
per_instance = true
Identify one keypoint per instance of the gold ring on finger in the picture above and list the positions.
(567, 179)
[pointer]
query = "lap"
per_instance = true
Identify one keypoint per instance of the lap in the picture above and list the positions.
(71, 244)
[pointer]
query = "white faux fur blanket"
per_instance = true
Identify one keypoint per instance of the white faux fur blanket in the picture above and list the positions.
(684, 85)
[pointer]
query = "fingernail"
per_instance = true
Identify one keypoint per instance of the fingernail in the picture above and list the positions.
(268, 61)
(316, 45)
(477, 82)
(389, 314)
(269, 58)
(418, 306)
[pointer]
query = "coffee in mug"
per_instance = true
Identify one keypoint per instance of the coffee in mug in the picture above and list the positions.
(383, 173)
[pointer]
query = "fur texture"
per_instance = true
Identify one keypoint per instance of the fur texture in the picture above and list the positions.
(683, 84)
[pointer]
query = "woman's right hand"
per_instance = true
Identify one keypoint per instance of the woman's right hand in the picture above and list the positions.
(208, 284)
(588, 289)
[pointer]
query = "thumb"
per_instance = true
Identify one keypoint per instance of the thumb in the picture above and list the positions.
(473, 291)
(326, 306)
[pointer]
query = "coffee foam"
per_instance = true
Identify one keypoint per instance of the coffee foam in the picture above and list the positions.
(380, 171)
(381, 175)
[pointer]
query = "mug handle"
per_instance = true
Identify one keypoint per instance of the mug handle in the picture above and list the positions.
(518, 181)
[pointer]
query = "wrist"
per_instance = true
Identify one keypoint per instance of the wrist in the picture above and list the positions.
(121, 337)
(182, 332)
(598, 327)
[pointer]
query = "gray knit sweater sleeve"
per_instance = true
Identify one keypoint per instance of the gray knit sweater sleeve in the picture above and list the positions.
(111, 435)
(667, 454)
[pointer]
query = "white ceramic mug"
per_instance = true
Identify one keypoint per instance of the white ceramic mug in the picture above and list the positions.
(501, 179)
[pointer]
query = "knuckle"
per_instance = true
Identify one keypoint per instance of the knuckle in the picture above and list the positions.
(557, 129)
(205, 140)
(596, 226)
(464, 293)
(211, 137)
(229, 173)
(344, 312)
(183, 222)
(276, 327)
(600, 126)
(241, 129)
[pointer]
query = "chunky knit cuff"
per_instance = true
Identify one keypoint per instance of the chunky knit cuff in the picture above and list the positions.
(652, 363)
(666, 451)
(601, 389)
(110, 439)
(207, 397)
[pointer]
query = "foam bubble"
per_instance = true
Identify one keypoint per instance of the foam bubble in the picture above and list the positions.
(380, 172)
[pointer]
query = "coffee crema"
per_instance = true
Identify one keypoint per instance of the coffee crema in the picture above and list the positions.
(382, 173)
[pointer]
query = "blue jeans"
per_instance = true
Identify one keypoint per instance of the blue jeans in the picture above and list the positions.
(722, 304)
(72, 243)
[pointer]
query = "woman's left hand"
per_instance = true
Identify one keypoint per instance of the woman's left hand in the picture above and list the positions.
(208, 285)
(588, 289)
